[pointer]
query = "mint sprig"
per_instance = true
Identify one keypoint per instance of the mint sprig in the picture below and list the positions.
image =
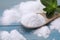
(51, 7)
(58, 9)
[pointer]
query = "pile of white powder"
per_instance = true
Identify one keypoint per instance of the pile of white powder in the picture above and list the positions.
(55, 25)
(33, 20)
(13, 35)
(25, 13)
(42, 32)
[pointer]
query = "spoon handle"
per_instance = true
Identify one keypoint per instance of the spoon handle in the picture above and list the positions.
(51, 19)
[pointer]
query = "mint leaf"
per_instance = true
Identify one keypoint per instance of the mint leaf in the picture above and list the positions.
(58, 9)
(45, 2)
(50, 14)
(51, 6)
(45, 9)
(52, 3)
(58, 6)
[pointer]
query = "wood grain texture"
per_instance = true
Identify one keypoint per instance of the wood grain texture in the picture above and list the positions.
(57, 15)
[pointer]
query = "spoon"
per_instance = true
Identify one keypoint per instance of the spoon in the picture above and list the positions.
(36, 20)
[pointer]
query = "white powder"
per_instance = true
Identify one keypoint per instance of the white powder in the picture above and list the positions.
(32, 20)
(15, 13)
(55, 24)
(31, 6)
(13, 35)
(5, 35)
(10, 16)
(42, 32)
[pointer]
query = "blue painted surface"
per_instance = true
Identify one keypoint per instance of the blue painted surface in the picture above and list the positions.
(5, 4)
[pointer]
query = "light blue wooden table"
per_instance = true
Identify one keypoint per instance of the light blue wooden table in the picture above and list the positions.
(5, 4)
